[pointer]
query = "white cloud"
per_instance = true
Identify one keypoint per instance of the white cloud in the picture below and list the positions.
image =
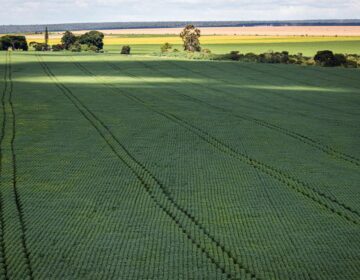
(55, 11)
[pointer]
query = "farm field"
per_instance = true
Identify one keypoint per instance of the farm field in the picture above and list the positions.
(146, 44)
(138, 167)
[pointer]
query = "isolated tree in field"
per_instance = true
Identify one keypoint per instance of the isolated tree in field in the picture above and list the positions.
(46, 37)
(125, 50)
(190, 36)
(68, 39)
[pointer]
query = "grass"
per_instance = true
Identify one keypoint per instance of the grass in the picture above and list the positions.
(148, 44)
(148, 168)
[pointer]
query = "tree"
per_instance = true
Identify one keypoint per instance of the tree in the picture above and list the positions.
(92, 38)
(125, 50)
(68, 39)
(13, 41)
(46, 36)
(328, 59)
(190, 36)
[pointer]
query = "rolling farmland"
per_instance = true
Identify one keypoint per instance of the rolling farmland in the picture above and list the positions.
(146, 44)
(116, 167)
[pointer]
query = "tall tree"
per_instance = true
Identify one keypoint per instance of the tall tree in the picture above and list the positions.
(190, 36)
(46, 37)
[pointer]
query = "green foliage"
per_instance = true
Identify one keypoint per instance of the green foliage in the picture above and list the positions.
(40, 46)
(57, 47)
(166, 47)
(328, 59)
(125, 50)
(92, 38)
(68, 39)
(76, 47)
(235, 55)
(150, 168)
(46, 36)
(14, 42)
(190, 36)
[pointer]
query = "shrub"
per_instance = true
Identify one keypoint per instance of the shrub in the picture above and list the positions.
(328, 59)
(125, 50)
(206, 51)
(57, 47)
(76, 47)
(234, 55)
(250, 57)
(166, 47)
(40, 47)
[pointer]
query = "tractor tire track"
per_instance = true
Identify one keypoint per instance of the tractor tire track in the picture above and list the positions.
(18, 203)
(12, 254)
(4, 261)
(296, 135)
(180, 216)
(263, 123)
(323, 200)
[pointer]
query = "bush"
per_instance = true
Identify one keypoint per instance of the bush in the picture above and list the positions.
(166, 47)
(234, 55)
(206, 51)
(125, 50)
(328, 59)
(40, 47)
(274, 57)
(57, 47)
(76, 47)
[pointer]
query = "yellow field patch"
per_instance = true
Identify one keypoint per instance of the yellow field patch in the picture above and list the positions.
(225, 39)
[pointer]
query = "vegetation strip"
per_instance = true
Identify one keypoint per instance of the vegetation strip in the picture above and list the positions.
(301, 187)
(151, 184)
(294, 134)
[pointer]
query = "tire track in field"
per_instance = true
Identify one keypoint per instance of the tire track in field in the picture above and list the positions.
(293, 134)
(4, 261)
(16, 268)
(290, 97)
(229, 265)
(332, 199)
(297, 185)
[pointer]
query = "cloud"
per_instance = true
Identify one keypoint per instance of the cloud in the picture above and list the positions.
(54, 11)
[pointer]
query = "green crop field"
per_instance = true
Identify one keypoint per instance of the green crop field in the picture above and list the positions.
(131, 167)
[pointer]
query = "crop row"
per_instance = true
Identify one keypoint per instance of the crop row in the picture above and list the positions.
(301, 187)
(16, 256)
(290, 133)
(193, 229)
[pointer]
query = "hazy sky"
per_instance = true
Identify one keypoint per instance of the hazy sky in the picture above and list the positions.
(62, 11)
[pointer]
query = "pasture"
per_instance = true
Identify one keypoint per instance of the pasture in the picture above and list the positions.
(116, 167)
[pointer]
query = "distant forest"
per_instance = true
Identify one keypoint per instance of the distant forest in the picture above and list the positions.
(6, 29)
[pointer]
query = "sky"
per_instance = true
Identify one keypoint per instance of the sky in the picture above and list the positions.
(67, 11)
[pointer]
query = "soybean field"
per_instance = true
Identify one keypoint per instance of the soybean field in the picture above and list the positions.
(139, 167)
